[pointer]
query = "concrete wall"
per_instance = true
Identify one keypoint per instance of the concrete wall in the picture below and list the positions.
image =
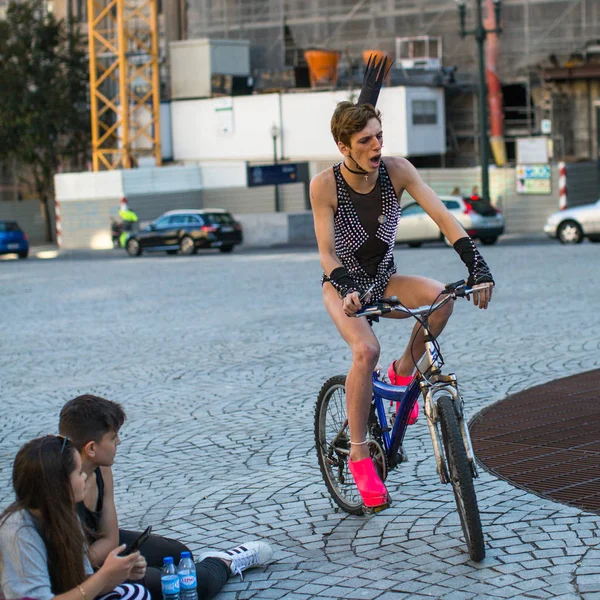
(256, 199)
(274, 229)
(89, 200)
(28, 213)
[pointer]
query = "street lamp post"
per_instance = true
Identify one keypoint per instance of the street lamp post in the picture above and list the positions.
(275, 135)
(481, 33)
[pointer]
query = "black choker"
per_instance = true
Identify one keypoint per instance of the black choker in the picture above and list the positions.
(364, 173)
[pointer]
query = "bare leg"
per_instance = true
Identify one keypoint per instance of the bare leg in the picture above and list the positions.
(365, 352)
(416, 291)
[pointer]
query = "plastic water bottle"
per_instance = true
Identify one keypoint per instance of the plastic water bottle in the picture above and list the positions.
(187, 577)
(169, 580)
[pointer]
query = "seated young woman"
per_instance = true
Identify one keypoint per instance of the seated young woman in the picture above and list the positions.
(42, 544)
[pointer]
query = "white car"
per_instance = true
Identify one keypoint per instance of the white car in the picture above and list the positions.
(571, 225)
(479, 218)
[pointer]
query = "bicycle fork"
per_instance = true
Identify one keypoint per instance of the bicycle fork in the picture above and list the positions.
(431, 392)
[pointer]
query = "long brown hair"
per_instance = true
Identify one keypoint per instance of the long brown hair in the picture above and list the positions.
(41, 478)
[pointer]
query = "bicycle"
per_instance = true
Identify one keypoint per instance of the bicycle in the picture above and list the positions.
(452, 448)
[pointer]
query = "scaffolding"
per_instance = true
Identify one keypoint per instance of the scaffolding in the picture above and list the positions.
(124, 82)
(533, 29)
(536, 33)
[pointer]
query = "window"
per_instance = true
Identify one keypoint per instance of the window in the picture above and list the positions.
(220, 218)
(412, 209)
(8, 226)
(424, 112)
(451, 204)
(162, 222)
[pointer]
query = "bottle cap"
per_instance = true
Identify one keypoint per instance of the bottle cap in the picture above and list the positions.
(168, 560)
(186, 554)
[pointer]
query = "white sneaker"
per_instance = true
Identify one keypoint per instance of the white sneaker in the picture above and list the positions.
(245, 556)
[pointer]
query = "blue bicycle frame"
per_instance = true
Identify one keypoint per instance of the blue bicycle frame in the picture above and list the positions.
(406, 396)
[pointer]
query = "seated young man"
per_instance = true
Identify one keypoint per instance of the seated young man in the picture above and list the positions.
(92, 424)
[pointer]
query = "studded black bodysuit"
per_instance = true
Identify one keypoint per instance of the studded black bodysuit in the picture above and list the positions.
(365, 232)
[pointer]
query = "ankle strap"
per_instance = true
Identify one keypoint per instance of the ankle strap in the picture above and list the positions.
(359, 443)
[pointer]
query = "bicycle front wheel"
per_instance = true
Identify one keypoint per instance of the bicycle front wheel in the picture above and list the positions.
(461, 478)
(332, 441)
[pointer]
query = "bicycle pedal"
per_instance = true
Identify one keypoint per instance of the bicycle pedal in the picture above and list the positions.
(373, 510)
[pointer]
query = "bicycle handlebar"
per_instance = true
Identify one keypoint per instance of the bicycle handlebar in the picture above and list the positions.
(458, 289)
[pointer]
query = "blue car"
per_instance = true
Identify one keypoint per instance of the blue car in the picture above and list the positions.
(13, 240)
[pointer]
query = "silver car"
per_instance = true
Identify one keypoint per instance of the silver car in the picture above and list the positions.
(479, 218)
(571, 225)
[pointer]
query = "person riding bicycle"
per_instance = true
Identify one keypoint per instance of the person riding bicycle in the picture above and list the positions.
(128, 221)
(356, 208)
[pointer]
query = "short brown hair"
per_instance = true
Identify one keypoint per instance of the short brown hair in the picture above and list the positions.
(87, 418)
(349, 118)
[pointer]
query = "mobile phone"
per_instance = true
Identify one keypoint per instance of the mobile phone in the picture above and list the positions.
(137, 543)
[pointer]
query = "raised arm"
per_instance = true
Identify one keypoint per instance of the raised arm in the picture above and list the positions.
(405, 176)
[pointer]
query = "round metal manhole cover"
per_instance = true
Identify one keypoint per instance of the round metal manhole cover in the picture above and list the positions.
(546, 439)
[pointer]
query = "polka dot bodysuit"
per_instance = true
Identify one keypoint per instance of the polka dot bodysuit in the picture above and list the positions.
(365, 231)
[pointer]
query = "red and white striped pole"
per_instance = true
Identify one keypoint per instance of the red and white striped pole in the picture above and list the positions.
(58, 223)
(562, 185)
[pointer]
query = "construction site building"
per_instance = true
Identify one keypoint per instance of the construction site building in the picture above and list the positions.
(548, 62)
(538, 36)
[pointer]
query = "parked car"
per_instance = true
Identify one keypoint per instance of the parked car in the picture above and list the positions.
(186, 231)
(13, 240)
(479, 218)
(571, 225)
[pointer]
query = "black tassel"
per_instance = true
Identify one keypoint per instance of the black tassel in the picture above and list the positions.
(375, 74)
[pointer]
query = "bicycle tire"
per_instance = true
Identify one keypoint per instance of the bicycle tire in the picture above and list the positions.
(461, 478)
(334, 466)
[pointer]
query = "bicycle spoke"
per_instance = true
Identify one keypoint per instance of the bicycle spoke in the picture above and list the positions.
(333, 445)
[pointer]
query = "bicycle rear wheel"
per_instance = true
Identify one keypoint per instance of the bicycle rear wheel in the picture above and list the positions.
(332, 441)
(461, 478)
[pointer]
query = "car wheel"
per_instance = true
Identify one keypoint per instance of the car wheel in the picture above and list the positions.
(488, 240)
(133, 247)
(414, 244)
(569, 232)
(24, 254)
(226, 249)
(187, 246)
(171, 251)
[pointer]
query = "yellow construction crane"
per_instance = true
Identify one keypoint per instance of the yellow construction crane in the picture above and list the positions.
(124, 82)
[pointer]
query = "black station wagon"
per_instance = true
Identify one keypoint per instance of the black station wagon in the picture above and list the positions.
(186, 231)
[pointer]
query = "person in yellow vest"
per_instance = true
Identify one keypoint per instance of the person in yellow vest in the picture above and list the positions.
(128, 218)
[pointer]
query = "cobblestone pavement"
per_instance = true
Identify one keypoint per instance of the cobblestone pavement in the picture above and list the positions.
(218, 361)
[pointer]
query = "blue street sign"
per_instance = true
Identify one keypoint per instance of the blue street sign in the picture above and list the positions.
(275, 174)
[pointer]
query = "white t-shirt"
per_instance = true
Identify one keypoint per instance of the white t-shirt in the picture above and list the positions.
(24, 560)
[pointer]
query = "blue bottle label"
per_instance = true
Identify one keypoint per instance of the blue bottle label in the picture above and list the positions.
(170, 584)
(188, 581)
